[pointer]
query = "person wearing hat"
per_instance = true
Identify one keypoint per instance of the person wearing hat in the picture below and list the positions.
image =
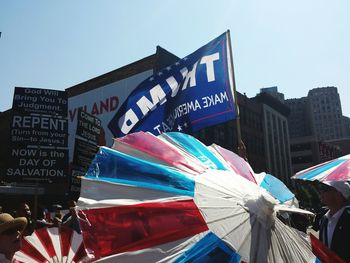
(335, 224)
(10, 235)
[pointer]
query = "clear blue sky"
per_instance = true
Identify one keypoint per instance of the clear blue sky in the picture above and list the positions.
(295, 45)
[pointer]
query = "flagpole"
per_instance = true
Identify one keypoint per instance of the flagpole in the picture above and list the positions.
(240, 147)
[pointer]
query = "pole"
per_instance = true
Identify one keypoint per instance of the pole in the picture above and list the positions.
(241, 147)
(35, 210)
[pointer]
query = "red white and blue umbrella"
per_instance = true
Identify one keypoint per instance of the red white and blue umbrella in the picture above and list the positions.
(56, 245)
(172, 199)
(334, 170)
(267, 181)
(188, 154)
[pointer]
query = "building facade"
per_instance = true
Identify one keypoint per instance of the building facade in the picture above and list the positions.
(315, 123)
(299, 120)
(273, 91)
(304, 152)
(326, 113)
(308, 151)
(276, 136)
(346, 127)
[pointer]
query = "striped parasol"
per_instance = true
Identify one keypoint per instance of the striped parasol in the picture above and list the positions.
(56, 245)
(334, 170)
(172, 199)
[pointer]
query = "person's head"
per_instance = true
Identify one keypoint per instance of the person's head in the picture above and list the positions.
(56, 208)
(334, 194)
(24, 210)
(10, 234)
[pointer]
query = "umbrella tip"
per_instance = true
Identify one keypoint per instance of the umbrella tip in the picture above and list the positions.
(263, 207)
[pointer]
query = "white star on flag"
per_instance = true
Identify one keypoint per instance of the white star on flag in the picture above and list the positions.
(151, 78)
(185, 124)
(179, 128)
(177, 63)
(160, 73)
(168, 68)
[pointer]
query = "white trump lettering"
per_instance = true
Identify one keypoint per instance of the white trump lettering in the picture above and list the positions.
(209, 62)
(173, 84)
(190, 76)
(128, 121)
(158, 94)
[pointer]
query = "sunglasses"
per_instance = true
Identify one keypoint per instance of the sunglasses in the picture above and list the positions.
(324, 188)
(11, 231)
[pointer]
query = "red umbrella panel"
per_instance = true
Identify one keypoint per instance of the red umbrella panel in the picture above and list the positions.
(52, 245)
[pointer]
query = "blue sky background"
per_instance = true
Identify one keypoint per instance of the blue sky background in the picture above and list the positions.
(295, 45)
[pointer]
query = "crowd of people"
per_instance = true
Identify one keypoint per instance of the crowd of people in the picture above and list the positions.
(332, 223)
(19, 222)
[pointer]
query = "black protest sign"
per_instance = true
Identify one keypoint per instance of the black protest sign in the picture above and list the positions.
(88, 126)
(84, 152)
(38, 136)
(41, 101)
(39, 130)
(34, 163)
(76, 181)
(85, 147)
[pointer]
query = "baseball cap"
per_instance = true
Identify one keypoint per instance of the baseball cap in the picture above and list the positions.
(342, 187)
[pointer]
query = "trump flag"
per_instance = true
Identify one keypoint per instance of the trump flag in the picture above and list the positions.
(193, 93)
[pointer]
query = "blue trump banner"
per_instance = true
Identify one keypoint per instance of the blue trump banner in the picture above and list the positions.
(191, 94)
